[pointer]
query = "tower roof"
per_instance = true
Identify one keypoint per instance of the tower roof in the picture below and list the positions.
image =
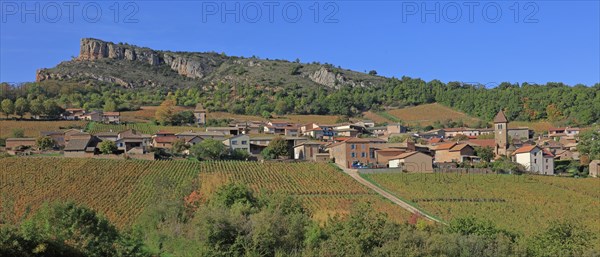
(199, 108)
(500, 117)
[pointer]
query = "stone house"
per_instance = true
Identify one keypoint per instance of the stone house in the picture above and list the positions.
(14, 143)
(307, 150)
(453, 152)
(351, 151)
(416, 162)
(594, 169)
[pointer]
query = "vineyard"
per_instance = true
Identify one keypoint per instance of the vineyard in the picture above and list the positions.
(33, 128)
(517, 203)
(145, 128)
(118, 189)
(122, 189)
(323, 188)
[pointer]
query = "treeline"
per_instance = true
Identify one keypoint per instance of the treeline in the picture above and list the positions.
(577, 105)
(236, 222)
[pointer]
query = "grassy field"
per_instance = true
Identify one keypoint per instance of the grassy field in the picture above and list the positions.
(427, 114)
(122, 189)
(375, 117)
(146, 128)
(537, 126)
(518, 203)
(146, 113)
(33, 128)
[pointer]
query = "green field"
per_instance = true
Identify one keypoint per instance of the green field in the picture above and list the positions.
(145, 128)
(517, 203)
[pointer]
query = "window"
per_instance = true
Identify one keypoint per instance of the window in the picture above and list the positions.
(534, 160)
(353, 155)
(353, 146)
(244, 142)
(234, 142)
(363, 154)
(120, 144)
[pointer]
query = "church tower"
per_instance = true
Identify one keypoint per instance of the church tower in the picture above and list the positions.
(200, 115)
(501, 134)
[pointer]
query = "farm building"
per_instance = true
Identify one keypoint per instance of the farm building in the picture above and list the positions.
(13, 143)
(594, 168)
(413, 162)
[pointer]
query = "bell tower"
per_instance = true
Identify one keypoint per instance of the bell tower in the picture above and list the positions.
(200, 115)
(501, 134)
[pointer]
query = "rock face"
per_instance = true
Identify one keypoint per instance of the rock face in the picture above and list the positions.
(328, 78)
(186, 65)
(133, 67)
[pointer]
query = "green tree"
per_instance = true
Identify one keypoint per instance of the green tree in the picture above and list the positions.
(278, 147)
(266, 114)
(485, 153)
(78, 227)
(240, 154)
(561, 239)
(179, 146)
(44, 142)
(110, 106)
(209, 149)
(107, 147)
(399, 139)
(36, 108)
(18, 133)
(51, 108)
(8, 107)
(21, 106)
(589, 143)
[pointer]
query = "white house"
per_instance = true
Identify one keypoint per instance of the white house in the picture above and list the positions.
(535, 159)
(238, 142)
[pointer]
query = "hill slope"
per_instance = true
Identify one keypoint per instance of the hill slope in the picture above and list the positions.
(132, 66)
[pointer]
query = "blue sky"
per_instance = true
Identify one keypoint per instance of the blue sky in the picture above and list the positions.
(488, 43)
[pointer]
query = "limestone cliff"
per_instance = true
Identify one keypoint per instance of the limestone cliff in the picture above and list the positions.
(132, 67)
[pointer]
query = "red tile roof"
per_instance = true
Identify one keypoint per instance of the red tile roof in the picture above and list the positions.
(525, 149)
(483, 142)
(167, 139)
(436, 140)
(446, 146)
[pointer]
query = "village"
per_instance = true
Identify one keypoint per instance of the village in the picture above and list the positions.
(360, 145)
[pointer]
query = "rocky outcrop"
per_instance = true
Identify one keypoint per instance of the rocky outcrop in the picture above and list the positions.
(185, 64)
(133, 67)
(328, 78)
(44, 74)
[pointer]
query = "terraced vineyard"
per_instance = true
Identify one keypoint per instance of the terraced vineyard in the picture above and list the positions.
(122, 189)
(145, 128)
(517, 203)
(34, 127)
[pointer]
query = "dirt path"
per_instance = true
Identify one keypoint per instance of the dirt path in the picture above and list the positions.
(354, 174)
